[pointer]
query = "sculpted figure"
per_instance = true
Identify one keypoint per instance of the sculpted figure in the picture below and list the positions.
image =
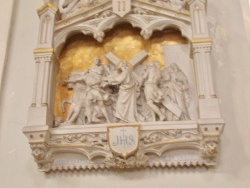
(77, 101)
(174, 4)
(179, 5)
(160, 2)
(153, 94)
(126, 104)
(95, 95)
(71, 6)
(175, 89)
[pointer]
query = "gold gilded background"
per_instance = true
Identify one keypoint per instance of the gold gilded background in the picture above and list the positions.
(124, 41)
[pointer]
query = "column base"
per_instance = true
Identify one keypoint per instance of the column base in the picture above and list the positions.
(209, 109)
(40, 116)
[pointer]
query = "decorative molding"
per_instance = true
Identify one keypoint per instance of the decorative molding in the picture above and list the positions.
(98, 26)
(202, 40)
(44, 57)
(43, 50)
(86, 148)
(47, 5)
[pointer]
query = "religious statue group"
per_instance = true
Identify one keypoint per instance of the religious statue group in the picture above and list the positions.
(71, 7)
(117, 94)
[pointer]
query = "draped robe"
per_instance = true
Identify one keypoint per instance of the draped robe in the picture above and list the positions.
(126, 105)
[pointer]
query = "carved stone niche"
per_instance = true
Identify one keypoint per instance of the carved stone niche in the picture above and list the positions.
(153, 106)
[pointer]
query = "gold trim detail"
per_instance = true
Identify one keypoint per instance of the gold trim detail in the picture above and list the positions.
(214, 96)
(47, 5)
(201, 40)
(210, 134)
(202, 97)
(43, 50)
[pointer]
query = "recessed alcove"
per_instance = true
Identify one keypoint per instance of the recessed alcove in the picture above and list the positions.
(125, 42)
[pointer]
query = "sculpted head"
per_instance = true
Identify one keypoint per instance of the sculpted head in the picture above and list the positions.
(121, 66)
(153, 64)
(97, 61)
(174, 67)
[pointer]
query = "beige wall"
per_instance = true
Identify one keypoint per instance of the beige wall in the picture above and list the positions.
(5, 22)
(231, 64)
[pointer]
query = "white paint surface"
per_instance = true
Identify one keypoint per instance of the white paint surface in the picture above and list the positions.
(5, 24)
(231, 70)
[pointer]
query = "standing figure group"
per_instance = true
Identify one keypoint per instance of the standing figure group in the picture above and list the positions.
(70, 7)
(101, 96)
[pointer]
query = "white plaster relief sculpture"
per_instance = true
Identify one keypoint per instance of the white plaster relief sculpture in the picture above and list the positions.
(153, 94)
(166, 94)
(175, 88)
(179, 5)
(88, 91)
(126, 110)
(71, 7)
(95, 95)
(77, 103)
(147, 22)
(173, 140)
(121, 7)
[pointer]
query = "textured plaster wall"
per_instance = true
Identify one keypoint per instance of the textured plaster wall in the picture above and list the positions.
(5, 21)
(231, 65)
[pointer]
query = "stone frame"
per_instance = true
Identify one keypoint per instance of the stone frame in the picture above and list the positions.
(51, 145)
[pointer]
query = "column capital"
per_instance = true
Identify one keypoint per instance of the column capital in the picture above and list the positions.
(47, 6)
(43, 50)
(204, 47)
(44, 57)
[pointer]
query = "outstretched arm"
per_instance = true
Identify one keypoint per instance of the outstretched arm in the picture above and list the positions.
(116, 79)
(80, 79)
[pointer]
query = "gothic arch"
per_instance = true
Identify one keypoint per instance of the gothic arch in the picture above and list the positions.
(98, 27)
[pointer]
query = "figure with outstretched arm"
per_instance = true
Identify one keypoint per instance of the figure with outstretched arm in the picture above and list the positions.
(95, 95)
(126, 104)
(77, 101)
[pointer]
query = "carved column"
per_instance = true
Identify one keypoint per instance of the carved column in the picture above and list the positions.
(40, 113)
(201, 44)
(201, 54)
(210, 122)
(198, 18)
(42, 104)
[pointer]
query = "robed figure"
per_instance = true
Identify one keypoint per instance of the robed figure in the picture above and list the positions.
(175, 88)
(126, 104)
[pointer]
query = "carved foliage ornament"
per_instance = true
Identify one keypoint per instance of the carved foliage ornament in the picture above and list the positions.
(132, 113)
